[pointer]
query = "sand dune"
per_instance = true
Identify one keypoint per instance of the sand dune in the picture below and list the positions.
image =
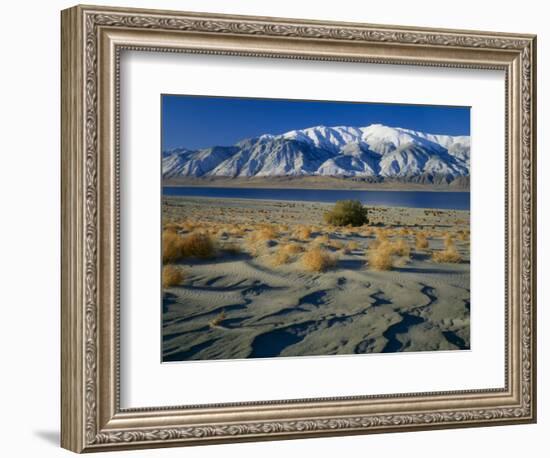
(239, 305)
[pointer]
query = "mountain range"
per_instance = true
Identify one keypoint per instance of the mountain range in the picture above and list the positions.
(375, 152)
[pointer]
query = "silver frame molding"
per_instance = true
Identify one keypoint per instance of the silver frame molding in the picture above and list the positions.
(92, 40)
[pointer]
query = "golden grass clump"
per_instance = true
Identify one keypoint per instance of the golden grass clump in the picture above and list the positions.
(449, 255)
(171, 247)
(463, 235)
(266, 233)
(448, 240)
(303, 232)
(188, 225)
(387, 254)
(171, 276)
(236, 231)
(353, 245)
(380, 257)
(421, 241)
(317, 260)
(280, 257)
(401, 248)
(381, 235)
(292, 248)
(285, 253)
(197, 244)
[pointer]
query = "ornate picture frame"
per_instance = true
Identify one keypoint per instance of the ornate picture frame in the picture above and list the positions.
(92, 41)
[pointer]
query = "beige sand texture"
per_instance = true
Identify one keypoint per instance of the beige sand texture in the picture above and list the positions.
(249, 301)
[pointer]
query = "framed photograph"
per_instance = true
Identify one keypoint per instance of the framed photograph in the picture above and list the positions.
(278, 228)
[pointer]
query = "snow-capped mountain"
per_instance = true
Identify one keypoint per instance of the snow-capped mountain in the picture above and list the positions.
(372, 151)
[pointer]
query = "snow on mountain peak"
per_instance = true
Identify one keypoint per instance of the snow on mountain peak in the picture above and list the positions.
(375, 150)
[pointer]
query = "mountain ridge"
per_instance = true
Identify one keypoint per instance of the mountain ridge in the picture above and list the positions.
(375, 151)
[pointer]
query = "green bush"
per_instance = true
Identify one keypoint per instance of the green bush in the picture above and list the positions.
(347, 212)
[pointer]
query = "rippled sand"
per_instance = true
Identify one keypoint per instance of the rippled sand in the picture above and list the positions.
(241, 305)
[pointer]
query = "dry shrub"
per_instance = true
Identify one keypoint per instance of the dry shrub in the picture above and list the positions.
(280, 258)
(421, 241)
(317, 260)
(382, 235)
(292, 248)
(236, 231)
(380, 257)
(285, 253)
(353, 245)
(171, 276)
(337, 244)
(463, 235)
(267, 233)
(448, 240)
(197, 244)
(449, 255)
(188, 225)
(303, 232)
(171, 247)
(401, 248)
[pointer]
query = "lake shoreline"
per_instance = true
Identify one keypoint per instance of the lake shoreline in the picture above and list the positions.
(371, 198)
(332, 183)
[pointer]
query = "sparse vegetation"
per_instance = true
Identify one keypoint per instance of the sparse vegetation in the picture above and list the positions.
(197, 245)
(176, 247)
(347, 212)
(317, 260)
(380, 257)
(292, 248)
(171, 276)
(401, 248)
(448, 240)
(387, 254)
(171, 247)
(266, 233)
(303, 233)
(421, 241)
(280, 257)
(449, 255)
(216, 321)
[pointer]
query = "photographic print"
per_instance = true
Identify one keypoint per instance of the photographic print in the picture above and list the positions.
(313, 228)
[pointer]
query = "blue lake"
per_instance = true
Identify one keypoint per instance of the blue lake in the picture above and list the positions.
(412, 199)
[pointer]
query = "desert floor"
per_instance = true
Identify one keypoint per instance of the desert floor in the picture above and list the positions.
(256, 297)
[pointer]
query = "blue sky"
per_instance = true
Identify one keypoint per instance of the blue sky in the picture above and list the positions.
(199, 121)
